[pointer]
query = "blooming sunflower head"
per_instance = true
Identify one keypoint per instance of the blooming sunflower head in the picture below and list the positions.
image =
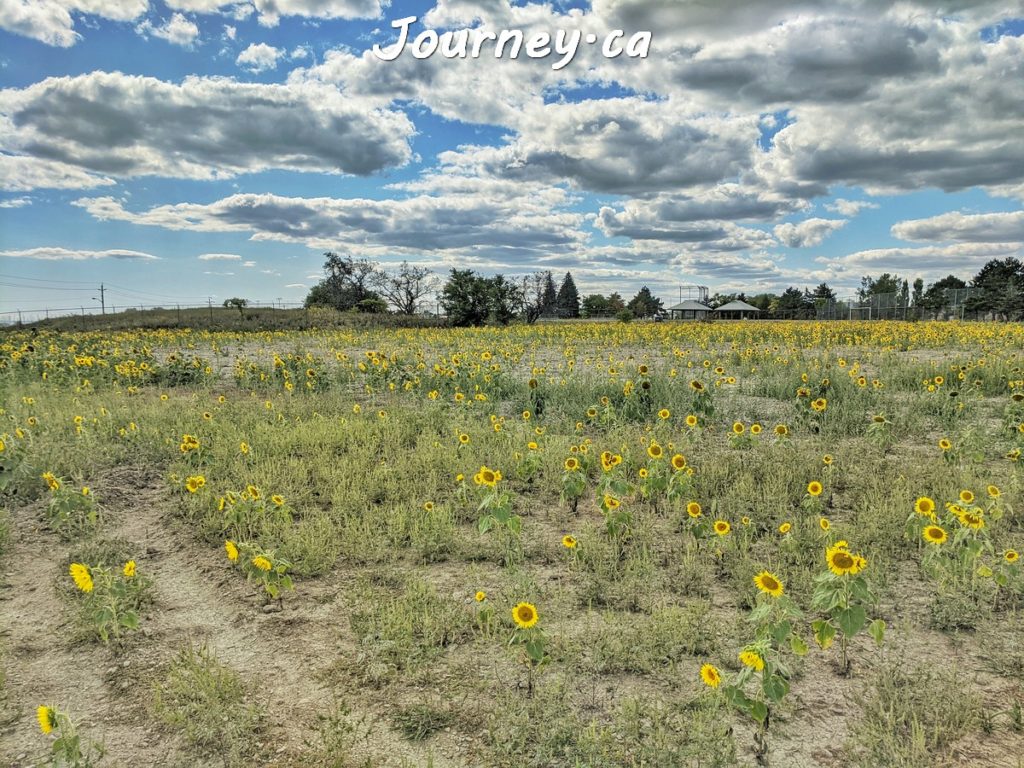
(842, 562)
(693, 509)
(691, 420)
(768, 583)
(924, 506)
(1011, 556)
(722, 527)
(678, 462)
(814, 488)
(781, 430)
(966, 497)
(129, 569)
(261, 563)
(824, 524)
(934, 534)
(738, 428)
(945, 444)
(47, 718)
(480, 596)
(655, 451)
(710, 675)
(569, 542)
(664, 413)
(81, 576)
(752, 659)
(572, 464)
(524, 615)
(231, 550)
(785, 528)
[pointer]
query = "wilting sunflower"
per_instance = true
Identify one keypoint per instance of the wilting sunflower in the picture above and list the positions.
(693, 509)
(524, 615)
(696, 386)
(262, 563)
(933, 534)
(924, 506)
(752, 659)
(710, 675)
(814, 488)
(569, 542)
(722, 527)
(81, 576)
(768, 583)
(971, 519)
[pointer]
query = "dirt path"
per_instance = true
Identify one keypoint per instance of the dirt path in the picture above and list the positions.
(198, 599)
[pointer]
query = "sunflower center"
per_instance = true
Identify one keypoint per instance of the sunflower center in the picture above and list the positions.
(769, 583)
(842, 560)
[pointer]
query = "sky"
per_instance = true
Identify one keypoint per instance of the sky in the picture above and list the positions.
(188, 151)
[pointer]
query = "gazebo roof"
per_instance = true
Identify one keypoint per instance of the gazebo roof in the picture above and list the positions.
(737, 306)
(690, 306)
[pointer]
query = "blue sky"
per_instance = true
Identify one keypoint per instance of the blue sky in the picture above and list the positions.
(196, 149)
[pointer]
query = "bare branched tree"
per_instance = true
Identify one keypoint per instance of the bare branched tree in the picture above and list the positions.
(405, 288)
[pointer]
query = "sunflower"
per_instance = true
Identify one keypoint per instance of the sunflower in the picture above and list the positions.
(820, 404)
(993, 492)
(781, 430)
(664, 413)
(572, 464)
(945, 444)
(785, 528)
(81, 576)
(1011, 556)
(524, 615)
(824, 524)
(696, 386)
(971, 519)
(966, 497)
(231, 550)
(722, 527)
(745, 520)
(752, 659)
(710, 675)
(841, 562)
(569, 542)
(480, 596)
(277, 500)
(814, 488)
(643, 473)
(933, 534)
(129, 569)
(655, 451)
(691, 420)
(243, 447)
(428, 506)
(738, 428)
(47, 718)
(693, 509)
(924, 506)
(611, 502)
(262, 563)
(526, 415)
(678, 462)
(768, 583)
(591, 412)
(487, 476)
(827, 460)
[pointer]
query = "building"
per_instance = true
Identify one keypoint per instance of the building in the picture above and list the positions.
(689, 310)
(736, 310)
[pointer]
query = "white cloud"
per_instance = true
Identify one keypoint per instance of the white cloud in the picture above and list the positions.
(295, 285)
(205, 128)
(177, 30)
(219, 257)
(808, 232)
(300, 52)
(19, 173)
(16, 202)
(67, 254)
(849, 208)
(964, 228)
(248, 263)
(50, 21)
(259, 57)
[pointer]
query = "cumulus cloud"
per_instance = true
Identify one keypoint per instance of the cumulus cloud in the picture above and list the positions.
(177, 30)
(204, 128)
(963, 228)
(849, 208)
(259, 57)
(19, 173)
(421, 223)
(67, 254)
(16, 202)
(928, 261)
(808, 232)
(50, 21)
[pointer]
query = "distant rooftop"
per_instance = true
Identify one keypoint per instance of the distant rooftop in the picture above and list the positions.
(690, 306)
(737, 306)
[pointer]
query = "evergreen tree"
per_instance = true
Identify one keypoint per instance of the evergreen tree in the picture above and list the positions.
(549, 298)
(568, 298)
(644, 304)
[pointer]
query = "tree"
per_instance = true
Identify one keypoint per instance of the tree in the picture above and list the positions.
(997, 288)
(347, 282)
(237, 303)
(763, 301)
(934, 298)
(533, 288)
(465, 298)
(824, 292)
(616, 303)
(596, 305)
(721, 299)
(918, 292)
(883, 284)
(568, 298)
(644, 304)
(549, 297)
(406, 288)
(505, 299)
(793, 305)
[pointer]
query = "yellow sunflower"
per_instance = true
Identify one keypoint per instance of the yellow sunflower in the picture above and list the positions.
(752, 659)
(710, 675)
(933, 534)
(524, 615)
(814, 488)
(722, 527)
(924, 506)
(693, 509)
(569, 542)
(768, 583)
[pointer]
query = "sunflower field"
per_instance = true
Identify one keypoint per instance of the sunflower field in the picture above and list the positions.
(567, 544)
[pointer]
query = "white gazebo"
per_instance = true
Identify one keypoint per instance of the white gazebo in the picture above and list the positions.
(737, 309)
(689, 310)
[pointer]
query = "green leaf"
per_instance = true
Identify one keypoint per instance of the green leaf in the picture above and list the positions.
(485, 524)
(781, 631)
(758, 711)
(877, 631)
(129, 620)
(824, 633)
(797, 645)
(775, 687)
(852, 620)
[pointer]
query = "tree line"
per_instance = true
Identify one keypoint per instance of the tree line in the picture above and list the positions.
(469, 298)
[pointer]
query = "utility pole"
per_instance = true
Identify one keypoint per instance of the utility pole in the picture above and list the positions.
(103, 302)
